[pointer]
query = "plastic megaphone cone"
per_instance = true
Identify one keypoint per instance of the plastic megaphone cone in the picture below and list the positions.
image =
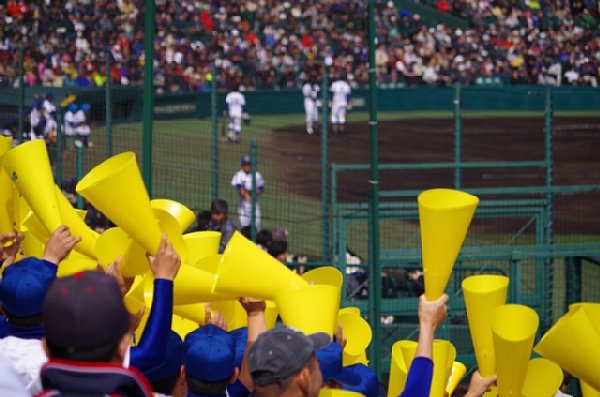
(309, 308)
(349, 309)
(201, 244)
(7, 219)
(115, 187)
(77, 227)
(403, 353)
(34, 225)
(338, 393)
(325, 275)
(357, 332)
(361, 358)
(544, 377)
(5, 144)
(483, 294)
(183, 326)
(443, 357)
(444, 217)
(31, 246)
(195, 312)
(81, 214)
(194, 286)
(574, 344)
(233, 312)
(459, 370)
(246, 270)
(110, 245)
(75, 263)
(209, 263)
(587, 390)
(591, 309)
(184, 216)
(271, 314)
(29, 168)
(168, 225)
(513, 329)
(135, 298)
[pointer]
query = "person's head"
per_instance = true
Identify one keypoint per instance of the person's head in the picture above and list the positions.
(333, 372)
(209, 360)
(218, 211)
(246, 232)
(282, 361)
(22, 290)
(246, 164)
(50, 97)
(168, 377)
(203, 220)
(264, 238)
(72, 107)
(278, 250)
(566, 380)
(85, 319)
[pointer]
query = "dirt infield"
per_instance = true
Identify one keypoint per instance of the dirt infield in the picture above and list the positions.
(575, 145)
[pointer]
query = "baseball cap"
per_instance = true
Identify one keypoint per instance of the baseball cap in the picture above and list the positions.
(281, 352)
(84, 311)
(209, 354)
(369, 384)
(330, 362)
(24, 285)
(170, 366)
(241, 339)
(245, 160)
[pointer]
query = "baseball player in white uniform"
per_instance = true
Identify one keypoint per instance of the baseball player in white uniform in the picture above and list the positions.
(235, 101)
(83, 129)
(70, 127)
(340, 91)
(242, 182)
(310, 90)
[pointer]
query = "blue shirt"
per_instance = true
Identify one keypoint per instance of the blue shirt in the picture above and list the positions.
(418, 381)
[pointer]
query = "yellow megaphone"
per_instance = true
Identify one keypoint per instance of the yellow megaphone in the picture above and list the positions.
(574, 344)
(74, 263)
(29, 168)
(110, 245)
(271, 314)
(115, 187)
(246, 270)
(34, 225)
(357, 332)
(30, 246)
(7, 219)
(587, 390)
(195, 312)
(77, 227)
(209, 263)
(349, 309)
(444, 355)
(183, 326)
(233, 312)
(338, 393)
(444, 217)
(513, 329)
(326, 275)
(309, 308)
(544, 377)
(592, 310)
(192, 285)
(403, 352)
(483, 294)
(5, 144)
(459, 370)
(184, 216)
(361, 358)
(135, 298)
(201, 244)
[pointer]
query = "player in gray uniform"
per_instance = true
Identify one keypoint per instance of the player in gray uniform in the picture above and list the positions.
(310, 90)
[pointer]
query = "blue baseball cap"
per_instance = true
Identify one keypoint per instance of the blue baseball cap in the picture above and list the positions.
(369, 384)
(209, 354)
(330, 362)
(85, 107)
(171, 365)
(24, 285)
(73, 107)
(245, 160)
(241, 339)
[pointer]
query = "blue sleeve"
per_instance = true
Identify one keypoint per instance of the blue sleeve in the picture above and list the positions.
(152, 348)
(418, 381)
(237, 389)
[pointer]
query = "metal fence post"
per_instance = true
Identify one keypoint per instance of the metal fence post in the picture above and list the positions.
(108, 107)
(457, 103)
(79, 173)
(547, 317)
(253, 193)
(148, 95)
(325, 220)
(21, 105)
(59, 146)
(214, 141)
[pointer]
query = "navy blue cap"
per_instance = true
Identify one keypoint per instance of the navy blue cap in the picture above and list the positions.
(241, 339)
(369, 384)
(245, 160)
(171, 365)
(24, 285)
(209, 354)
(330, 362)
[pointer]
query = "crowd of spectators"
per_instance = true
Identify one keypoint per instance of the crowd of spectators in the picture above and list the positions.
(273, 44)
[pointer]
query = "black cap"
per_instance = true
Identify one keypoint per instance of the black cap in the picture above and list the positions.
(281, 352)
(84, 311)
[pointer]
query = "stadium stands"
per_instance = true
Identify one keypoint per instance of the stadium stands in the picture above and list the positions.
(272, 44)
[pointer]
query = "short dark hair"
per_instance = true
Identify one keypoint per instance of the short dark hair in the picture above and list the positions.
(103, 353)
(203, 221)
(264, 237)
(277, 248)
(218, 206)
(245, 230)
(199, 386)
(164, 386)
